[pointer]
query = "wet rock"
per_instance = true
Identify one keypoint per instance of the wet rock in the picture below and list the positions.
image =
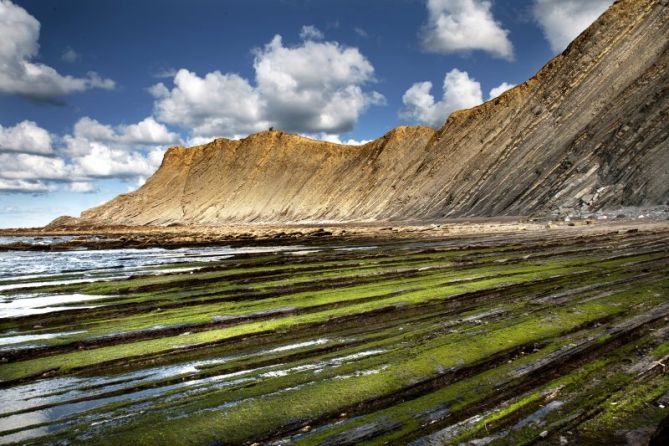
(362, 433)
(634, 437)
(484, 441)
(537, 418)
(663, 401)
(434, 415)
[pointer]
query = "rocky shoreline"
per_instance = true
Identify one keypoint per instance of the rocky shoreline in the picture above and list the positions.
(115, 237)
(539, 332)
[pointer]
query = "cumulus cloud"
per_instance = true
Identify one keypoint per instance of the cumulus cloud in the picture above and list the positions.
(460, 91)
(313, 87)
(309, 88)
(147, 132)
(563, 20)
(25, 137)
(82, 186)
(199, 140)
(89, 133)
(90, 129)
(19, 74)
(214, 104)
(504, 86)
(26, 186)
(462, 26)
(23, 166)
(92, 151)
(337, 140)
(104, 162)
(125, 151)
(310, 32)
(24, 172)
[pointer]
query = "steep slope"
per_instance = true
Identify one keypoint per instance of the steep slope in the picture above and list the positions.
(591, 129)
(271, 176)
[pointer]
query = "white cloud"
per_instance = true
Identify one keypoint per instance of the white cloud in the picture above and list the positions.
(25, 137)
(92, 151)
(19, 74)
(310, 32)
(337, 140)
(23, 166)
(89, 133)
(463, 26)
(125, 151)
(91, 129)
(563, 20)
(309, 88)
(26, 186)
(199, 140)
(214, 104)
(314, 87)
(28, 160)
(147, 132)
(105, 162)
(504, 86)
(460, 91)
(139, 182)
(69, 55)
(82, 186)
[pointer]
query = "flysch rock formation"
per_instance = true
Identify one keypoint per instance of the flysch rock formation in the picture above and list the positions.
(590, 130)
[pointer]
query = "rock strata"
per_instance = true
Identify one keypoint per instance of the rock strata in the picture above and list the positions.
(589, 132)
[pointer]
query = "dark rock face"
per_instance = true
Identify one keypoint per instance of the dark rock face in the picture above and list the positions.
(589, 131)
(603, 129)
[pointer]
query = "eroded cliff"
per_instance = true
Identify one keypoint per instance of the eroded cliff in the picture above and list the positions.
(590, 130)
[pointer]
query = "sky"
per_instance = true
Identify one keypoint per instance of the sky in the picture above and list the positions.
(93, 93)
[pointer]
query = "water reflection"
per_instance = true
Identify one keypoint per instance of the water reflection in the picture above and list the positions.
(29, 304)
(49, 405)
(18, 265)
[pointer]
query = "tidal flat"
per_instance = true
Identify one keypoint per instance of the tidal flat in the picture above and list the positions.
(520, 337)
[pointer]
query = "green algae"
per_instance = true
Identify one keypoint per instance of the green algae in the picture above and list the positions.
(447, 330)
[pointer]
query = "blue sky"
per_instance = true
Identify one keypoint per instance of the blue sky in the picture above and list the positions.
(92, 93)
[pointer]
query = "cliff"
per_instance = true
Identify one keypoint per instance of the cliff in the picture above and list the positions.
(590, 130)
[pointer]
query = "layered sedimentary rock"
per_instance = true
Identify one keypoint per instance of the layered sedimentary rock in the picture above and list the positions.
(590, 130)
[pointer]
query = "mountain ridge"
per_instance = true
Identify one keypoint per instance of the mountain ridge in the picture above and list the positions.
(588, 131)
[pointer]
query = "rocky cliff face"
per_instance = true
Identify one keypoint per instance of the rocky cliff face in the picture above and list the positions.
(272, 176)
(590, 130)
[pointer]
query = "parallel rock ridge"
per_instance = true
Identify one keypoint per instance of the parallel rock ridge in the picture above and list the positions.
(590, 130)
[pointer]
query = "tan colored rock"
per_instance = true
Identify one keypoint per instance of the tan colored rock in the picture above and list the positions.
(592, 123)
